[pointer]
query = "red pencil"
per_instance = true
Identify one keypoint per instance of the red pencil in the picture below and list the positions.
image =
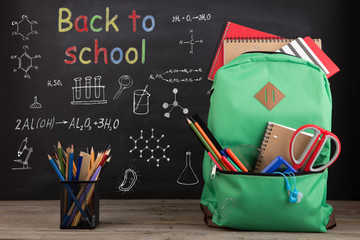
(106, 155)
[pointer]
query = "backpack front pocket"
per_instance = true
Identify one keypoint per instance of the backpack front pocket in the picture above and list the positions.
(250, 201)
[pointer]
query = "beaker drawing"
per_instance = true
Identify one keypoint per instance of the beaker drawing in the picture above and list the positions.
(88, 87)
(77, 88)
(141, 101)
(97, 86)
(188, 176)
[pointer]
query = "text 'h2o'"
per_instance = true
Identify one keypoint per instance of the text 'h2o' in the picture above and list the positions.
(96, 24)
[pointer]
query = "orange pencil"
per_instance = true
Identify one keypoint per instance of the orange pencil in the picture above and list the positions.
(92, 157)
(207, 139)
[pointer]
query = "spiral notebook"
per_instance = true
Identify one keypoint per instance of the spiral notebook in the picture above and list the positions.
(235, 47)
(233, 30)
(276, 142)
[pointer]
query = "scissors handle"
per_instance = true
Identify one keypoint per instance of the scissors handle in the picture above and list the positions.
(318, 133)
(327, 136)
(298, 163)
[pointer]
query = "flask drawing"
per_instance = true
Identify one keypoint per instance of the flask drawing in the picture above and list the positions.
(188, 176)
(35, 104)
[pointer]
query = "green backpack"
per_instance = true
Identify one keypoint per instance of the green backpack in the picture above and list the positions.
(247, 93)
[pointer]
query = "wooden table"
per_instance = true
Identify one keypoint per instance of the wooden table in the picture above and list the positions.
(150, 219)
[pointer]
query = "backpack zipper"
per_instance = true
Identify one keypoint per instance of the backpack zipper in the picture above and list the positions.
(217, 170)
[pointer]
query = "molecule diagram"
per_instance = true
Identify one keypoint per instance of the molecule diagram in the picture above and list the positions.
(152, 145)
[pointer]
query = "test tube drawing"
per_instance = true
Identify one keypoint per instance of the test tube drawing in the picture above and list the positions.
(97, 86)
(88, 87)
(77, 88)
(93, 93)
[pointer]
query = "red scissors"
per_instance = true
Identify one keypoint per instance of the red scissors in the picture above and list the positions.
(319, 133)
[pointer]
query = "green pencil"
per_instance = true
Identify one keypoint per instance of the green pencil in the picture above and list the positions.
(61, 159)
(203, 141)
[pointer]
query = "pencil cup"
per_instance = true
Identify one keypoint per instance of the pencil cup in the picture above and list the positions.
(79, 204)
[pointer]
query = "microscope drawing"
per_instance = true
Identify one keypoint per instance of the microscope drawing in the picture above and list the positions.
(22, 148)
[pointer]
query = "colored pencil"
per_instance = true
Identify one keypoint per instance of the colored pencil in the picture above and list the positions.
(58, 172)
(66, 221)
(105, 166)
(216, 151)
(61, 160)
(212, 158)
(83, 201)
(106, 155)
(205, 144)
(92, 153)
(79, 166)
(83, 195)
(226, 161)
(71, 163)
(237, 163)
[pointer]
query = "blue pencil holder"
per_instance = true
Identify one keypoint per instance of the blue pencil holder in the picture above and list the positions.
(86, 194)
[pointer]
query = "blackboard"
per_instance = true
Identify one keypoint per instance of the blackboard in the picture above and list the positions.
(60, 79)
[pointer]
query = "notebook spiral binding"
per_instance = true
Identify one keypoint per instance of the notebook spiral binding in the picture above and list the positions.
(217, 50)
(263, 146)
(255, 40)
(260, 40)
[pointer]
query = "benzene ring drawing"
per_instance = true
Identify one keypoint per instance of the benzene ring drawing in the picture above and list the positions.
(25, 62)
(24, 27)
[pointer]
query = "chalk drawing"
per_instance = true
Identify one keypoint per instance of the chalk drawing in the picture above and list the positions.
(174, 104)
(24, 27)
(184, 75)
(189, 18)
(24, 163)
(74, 123)
(88, 94)
(25, 62)
(188, 176)
(141, 101)
(151, 145)
(125, 81)
(191, 42)
(128, 181)
(35, 104)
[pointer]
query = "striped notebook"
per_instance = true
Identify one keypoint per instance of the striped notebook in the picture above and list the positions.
(306, 48)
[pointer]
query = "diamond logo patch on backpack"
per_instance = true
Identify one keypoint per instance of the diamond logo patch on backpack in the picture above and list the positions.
(269, 96)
